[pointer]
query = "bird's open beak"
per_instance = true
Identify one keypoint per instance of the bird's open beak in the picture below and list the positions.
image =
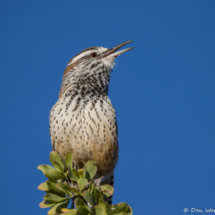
(112, 52)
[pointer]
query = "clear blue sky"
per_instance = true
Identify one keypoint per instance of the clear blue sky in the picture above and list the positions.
(163, 92)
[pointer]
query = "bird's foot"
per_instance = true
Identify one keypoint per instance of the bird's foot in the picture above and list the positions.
(97, 182)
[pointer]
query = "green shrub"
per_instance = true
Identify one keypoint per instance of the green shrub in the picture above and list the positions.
(65, 183)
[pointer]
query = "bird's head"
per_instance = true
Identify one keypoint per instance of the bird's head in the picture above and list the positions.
(91, 64)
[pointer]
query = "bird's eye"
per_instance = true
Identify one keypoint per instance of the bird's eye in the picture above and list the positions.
(93, 55)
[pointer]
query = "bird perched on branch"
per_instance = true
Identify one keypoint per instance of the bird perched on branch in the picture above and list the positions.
(83, 120)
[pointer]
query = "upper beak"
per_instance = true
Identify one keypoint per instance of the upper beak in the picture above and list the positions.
(112, 52)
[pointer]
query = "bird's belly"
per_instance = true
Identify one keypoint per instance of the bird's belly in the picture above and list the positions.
(88, 131)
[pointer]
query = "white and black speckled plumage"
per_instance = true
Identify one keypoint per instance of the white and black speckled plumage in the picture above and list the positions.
(83, 120)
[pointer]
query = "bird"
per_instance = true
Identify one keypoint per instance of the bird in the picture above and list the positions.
(83, 120)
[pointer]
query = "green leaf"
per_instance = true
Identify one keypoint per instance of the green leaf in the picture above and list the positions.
(105, 205)
(120, 208)
(76, 192)
(107, 191)
(46, 204)
(69, 160)
(91, 187)
(45, 168)
(83, 210)
(57, 208)
(91, 170)
(99, 210)
(81, 207)
(54, 198)
(89, 198)
(107, 188)
(97, 195)
(80, 172)
(84, 169)
(70, 212)
(58, 167)
(64, 164)
(79, 202)
(43, 187)
(66, 189)
(72, 190)
(55, 157)
(82, 182)
(128, 211)
(73, 175)
(108, 209)
(102, 203)
(52, 185)
(54, 174)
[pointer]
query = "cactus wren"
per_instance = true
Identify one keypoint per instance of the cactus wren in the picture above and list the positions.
(83, 120)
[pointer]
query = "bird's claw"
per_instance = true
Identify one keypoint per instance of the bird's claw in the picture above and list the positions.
(97, 182)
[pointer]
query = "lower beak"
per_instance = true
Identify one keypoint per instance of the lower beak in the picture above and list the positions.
(112, 52)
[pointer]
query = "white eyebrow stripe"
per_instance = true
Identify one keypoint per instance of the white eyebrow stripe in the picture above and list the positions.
(102, 49)
(79, 57)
